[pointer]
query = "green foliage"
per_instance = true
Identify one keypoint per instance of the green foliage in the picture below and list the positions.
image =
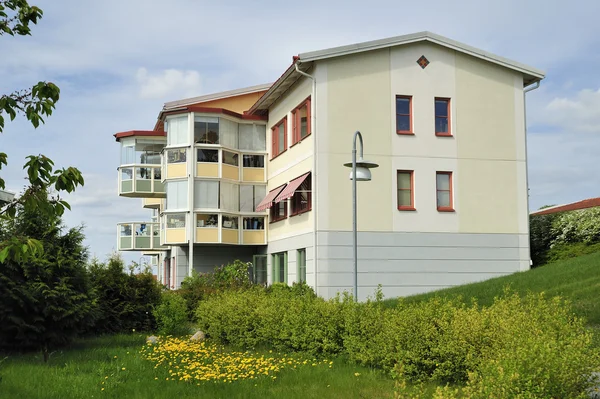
(568, 251)
(171, 315)
(200, 286)
(564, 231)
(125, 300)
(35, 103)
(46, 299)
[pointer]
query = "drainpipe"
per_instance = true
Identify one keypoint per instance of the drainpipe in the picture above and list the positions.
(313, 126)
(525, 91)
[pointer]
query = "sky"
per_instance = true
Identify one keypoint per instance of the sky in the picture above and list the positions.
(117, 62)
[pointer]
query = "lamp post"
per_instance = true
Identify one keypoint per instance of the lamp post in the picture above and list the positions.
(360, 172)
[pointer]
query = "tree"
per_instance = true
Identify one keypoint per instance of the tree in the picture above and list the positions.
(35, 103)
(46, 299)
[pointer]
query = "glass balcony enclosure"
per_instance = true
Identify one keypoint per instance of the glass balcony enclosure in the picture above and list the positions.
(140, 172)
(139, 236)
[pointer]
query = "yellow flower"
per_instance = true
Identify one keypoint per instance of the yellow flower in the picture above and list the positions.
(123, 368)
(356, 374)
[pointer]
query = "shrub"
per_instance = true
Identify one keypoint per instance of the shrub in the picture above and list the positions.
(125, 300)
(200, 286)
(171, 315)
(567, 251)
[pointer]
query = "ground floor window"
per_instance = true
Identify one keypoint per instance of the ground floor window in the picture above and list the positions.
(279, 264)
(259, 269)
(301, 263)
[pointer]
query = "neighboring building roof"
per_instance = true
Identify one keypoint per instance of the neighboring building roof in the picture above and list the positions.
(210, 110)
(6, 196)
(215, 96)
(583, 204)
(289, 77)
(146, 133)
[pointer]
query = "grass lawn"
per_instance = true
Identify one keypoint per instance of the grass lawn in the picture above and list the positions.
(81, 371)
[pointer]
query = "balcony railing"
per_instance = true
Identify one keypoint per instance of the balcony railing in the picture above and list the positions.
(139, 236)
(141, 181)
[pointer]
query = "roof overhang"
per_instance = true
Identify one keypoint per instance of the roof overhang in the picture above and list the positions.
(573, 206)
(210, 110)
(216, 96)
(139, 133)
(305, 60)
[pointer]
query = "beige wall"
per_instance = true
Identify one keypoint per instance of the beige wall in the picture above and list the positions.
(206, 169)
(486, 153)
(237, 104)
(294, 162)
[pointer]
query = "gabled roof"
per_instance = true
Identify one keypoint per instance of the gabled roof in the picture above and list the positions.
(304, 60)
(573, 206)
(215, 96)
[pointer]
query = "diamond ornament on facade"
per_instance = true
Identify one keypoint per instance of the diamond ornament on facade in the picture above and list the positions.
(423, 62)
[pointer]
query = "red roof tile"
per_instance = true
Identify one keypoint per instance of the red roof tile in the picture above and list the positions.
(586, 203)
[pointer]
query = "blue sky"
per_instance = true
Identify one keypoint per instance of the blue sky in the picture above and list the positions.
(117, 62)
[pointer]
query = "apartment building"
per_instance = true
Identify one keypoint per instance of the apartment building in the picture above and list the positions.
(257, 174)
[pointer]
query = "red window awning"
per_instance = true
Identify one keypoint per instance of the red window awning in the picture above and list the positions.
(291, 188)
(267, 202)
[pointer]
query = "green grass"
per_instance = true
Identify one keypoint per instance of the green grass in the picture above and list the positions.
(79, 371)
(577, 280)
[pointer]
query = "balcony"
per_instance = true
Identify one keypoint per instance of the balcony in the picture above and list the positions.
(141, 181)
(226, 229)
(152, 203)
(139, 236)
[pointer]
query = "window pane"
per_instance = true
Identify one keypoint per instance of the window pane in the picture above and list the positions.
(230, 222)
(260, 192)
(403, 106)
(443, 181)
(443, 199)
(230, 158)
(247, 198)
(404, 180)
(126, 230)
(228, 134)
(208, 155)
(175, 221)
(441, 107)
(254, 161)
(176, 194)
(403, 123)
(260, 269)
(254, 223)
(206, 130)
(303, 121)
(404, 198)
(281, 133)
(176, 156)
(177, 130)
(230, 197)
(126, 174)
(127, 155)
(207, 220)
(441, 125)
(206, 194)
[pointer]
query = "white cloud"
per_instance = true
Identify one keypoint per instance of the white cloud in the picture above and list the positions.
(170, 82)
(580, 113)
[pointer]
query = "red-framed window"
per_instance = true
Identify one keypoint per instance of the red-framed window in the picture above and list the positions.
(302, 200)
(301, 126)
(444, 191)
(279, 138)
(278, 211)
(406, 190)
(442, 117)
(404, 124)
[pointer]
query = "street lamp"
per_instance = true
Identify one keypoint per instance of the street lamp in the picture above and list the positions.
(360, 172)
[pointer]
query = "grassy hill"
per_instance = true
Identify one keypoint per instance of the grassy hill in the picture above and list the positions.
(576, 279)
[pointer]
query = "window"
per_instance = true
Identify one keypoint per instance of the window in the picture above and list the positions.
(177, 194)
(280, 267)
(176, 156)
(126, 173)
(252, 137)
(254, 223)
(301, 201)
(405, 185)
(301, 263)
(278, 211)
(205, 220)
(301, 122)
(208, 155)
(254, 161)
(206, 130)
(229, 197)
(259, 272)
(444, 191)
(126, 230)
(279, 138)
(206, 194)
(177, 130)
(176, 221)
(251, 196)
(230, 158)
(230, 222)
(404, 115)
(442, 117)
